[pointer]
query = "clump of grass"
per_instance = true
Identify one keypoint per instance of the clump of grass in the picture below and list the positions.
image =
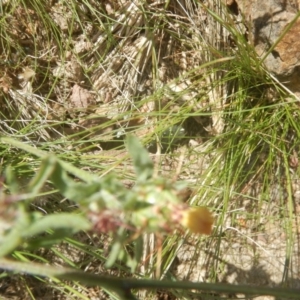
(147, 68)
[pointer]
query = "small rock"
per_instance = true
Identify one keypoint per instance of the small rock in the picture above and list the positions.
(267, 20)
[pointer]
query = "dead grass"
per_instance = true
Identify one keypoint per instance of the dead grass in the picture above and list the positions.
(76, 76)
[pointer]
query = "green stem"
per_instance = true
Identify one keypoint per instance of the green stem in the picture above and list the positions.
(122, 286)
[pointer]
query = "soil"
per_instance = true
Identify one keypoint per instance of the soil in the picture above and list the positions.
(85, 100)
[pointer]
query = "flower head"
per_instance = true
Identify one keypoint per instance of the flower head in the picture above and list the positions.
(198, 220)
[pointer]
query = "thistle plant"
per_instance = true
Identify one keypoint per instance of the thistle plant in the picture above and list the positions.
(106, 206)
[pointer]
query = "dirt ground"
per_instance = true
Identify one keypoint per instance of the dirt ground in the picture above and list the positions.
(84, 95)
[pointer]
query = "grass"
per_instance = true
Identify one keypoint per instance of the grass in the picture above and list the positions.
(76, 78)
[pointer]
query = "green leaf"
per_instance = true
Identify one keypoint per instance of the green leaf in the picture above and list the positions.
(83, 175)
(46, 169)
(138, 252)
(11, 180)
(117, 249)
(13, 238)
(77, 192)
(10, 242)
(57, 221)
(141, 160)
(42, 241)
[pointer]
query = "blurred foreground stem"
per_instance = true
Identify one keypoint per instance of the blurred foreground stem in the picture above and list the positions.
(122, 286)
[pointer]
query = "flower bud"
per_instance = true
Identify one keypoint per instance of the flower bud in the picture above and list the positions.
(198, 220)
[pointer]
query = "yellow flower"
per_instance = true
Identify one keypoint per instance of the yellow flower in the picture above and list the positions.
(198, 220)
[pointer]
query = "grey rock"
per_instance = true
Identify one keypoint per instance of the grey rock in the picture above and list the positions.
(267, 21)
